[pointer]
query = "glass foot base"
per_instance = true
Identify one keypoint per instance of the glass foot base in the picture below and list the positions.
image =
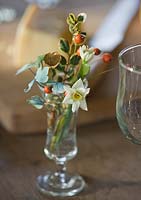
(51, 184)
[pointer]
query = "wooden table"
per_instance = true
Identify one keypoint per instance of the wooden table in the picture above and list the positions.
(108, 162)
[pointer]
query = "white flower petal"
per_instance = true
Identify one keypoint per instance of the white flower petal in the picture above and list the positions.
(84, 91)
(85, 81)
(83, 105)
(86, 54)
(91, 50)
(68, 90)
(67, 87)
(78, 84)
(89, 56)
(81, 91)
(84, 48)
(67, 99)
(75, 106)
(78, 87)
(81, 53)
(87, 90)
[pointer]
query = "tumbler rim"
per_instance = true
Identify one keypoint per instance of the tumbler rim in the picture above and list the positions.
(122, 64)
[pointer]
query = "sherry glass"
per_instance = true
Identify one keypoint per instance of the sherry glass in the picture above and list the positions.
(61, 147)
(128, 104)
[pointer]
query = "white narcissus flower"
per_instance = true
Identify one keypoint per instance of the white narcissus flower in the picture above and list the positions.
(76, 95)
(86, 54)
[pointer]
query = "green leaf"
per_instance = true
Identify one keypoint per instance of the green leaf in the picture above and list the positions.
(82, 17)
(63, 124)
(60, 68)
(75, 60)
(29, 86)
(71, 29)
(72, 79)
(70, 72)
(62, 128)
(53, 72)
(64, 45)
(63, 60)
(36, 101)
(71, 19)
(74, 29)
(42, 75)
(60, 79)
(39, 60)
(85, 68)
(25, 67)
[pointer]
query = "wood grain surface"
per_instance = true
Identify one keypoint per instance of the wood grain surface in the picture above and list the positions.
(109, 164)
(18, 117)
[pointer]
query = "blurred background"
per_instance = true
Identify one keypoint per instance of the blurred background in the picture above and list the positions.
(27, 30)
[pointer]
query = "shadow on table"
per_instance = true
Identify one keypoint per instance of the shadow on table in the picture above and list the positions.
(95, 186)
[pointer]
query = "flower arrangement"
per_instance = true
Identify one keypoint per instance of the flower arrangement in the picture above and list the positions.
(65, 73)
(62, 77)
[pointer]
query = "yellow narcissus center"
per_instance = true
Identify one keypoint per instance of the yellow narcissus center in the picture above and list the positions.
(76, 96)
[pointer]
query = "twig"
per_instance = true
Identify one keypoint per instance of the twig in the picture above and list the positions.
(106, 71)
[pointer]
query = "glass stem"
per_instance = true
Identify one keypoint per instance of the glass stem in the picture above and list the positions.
(61, 172)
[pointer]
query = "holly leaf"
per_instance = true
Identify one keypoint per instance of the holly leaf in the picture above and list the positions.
(29, 86)
(60, 68)
(63, 60)
(25, 67)
(82, 17)
(72, 79)
(36, 101)
(64, 45)
(42, 75)
(71, 19)
(70, 71)
(74, 60)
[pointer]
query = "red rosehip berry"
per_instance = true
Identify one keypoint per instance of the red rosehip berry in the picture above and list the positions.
(97, 51)
(107, 57)
(79, 38)
(47, 90)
